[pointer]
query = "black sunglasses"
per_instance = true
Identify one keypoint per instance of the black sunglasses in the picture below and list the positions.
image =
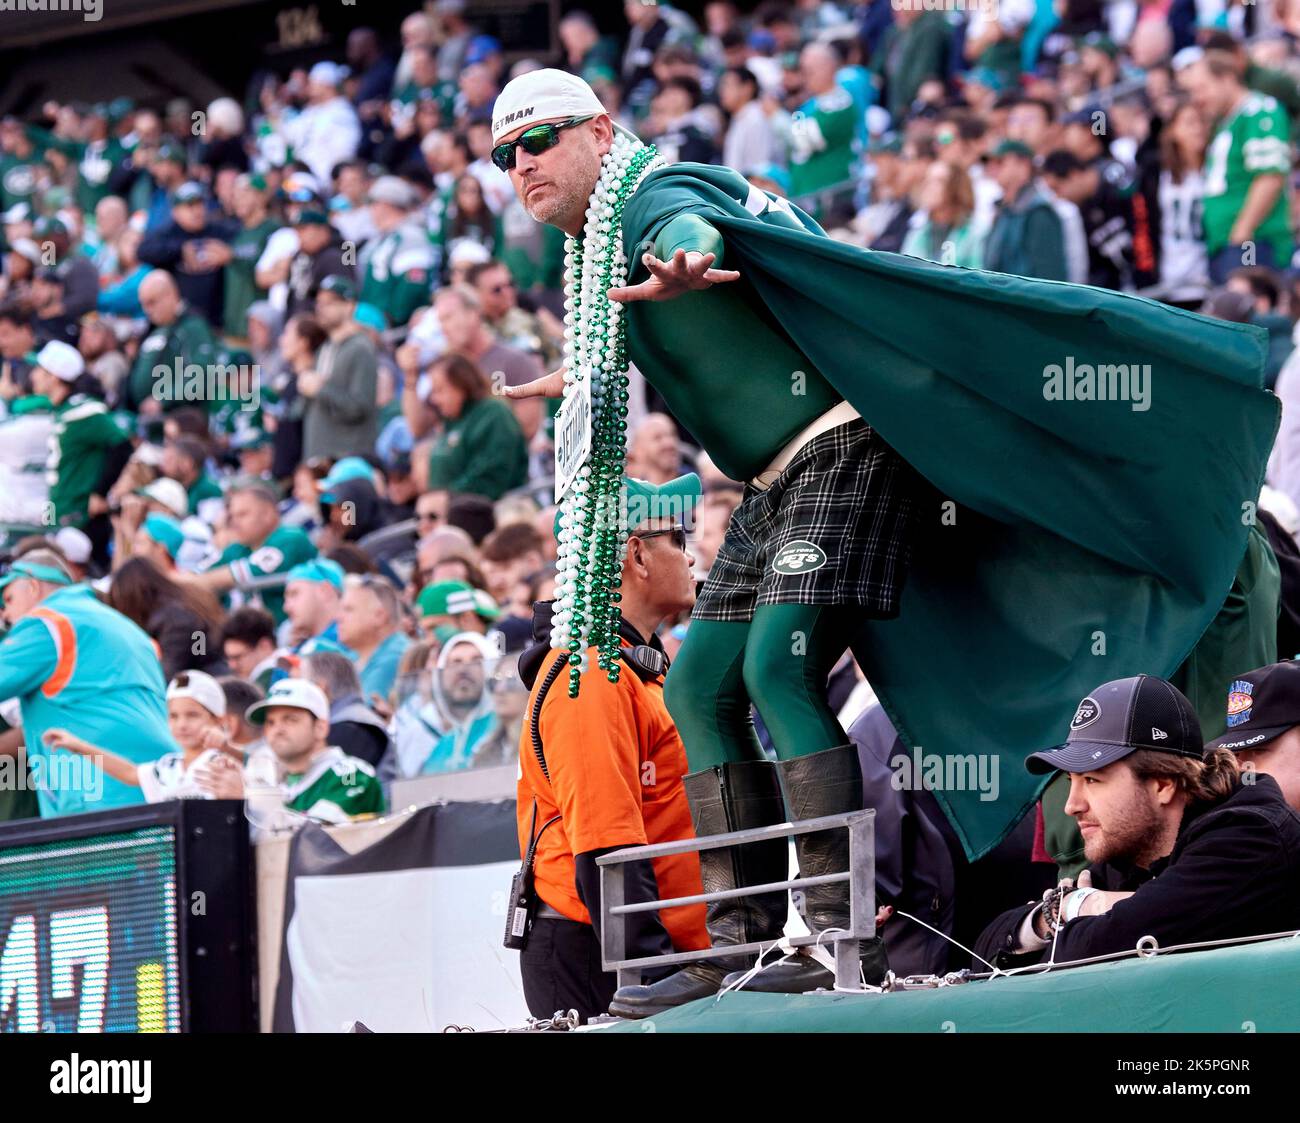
(535, 141)
(678, 532)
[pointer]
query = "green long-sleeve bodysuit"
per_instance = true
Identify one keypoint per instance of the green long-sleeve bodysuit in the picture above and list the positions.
(741, 388)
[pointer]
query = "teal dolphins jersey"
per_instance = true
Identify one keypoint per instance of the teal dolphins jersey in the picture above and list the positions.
(74, 663)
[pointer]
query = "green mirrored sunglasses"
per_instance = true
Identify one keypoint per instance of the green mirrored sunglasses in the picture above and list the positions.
(535, 141)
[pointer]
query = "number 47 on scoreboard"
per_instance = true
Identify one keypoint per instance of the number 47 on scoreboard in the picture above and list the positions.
(77, 969)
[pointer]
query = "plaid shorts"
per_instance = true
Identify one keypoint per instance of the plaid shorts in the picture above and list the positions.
(835, 527)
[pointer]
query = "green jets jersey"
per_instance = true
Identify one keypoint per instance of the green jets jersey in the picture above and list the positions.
(443, 94)
(172, 365)
(19, 177)
(1250, 141)
(334, 788)
(821, 143)
(241, 283)
(96, 161)
(83, 433)
(397, 272)
(285, 547)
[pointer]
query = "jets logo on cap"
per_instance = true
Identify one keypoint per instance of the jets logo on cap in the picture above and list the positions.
(799, 557)
(1240, 701)
(1088, 712)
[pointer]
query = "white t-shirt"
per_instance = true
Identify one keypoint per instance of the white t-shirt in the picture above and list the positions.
(1184, 263)
(168, 778)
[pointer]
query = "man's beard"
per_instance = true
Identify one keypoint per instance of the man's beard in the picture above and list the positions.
(1128, 833)
(567, 198)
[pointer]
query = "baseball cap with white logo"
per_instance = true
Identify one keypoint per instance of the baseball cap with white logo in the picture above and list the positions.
(1121, 717)
(297, 693)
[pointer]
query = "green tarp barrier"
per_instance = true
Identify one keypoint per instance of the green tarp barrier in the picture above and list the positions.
(1245, 989)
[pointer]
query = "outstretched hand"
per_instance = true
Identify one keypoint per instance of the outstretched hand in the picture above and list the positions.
(548, 386)
(686, 272)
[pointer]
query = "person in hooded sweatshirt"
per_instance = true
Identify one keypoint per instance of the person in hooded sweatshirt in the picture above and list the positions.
(456, 725)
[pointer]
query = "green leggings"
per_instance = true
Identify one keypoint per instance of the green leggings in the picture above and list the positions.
(779, 661)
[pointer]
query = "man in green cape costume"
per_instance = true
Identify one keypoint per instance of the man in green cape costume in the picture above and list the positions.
(1066, 475)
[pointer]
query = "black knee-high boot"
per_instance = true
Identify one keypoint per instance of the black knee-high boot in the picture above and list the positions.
(823, 783)
(732, 797)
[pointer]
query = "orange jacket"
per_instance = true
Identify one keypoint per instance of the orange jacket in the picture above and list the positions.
(616, 765)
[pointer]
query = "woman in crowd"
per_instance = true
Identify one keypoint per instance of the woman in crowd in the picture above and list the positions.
(943, 229)
(480, 448)
(469, 219)
(1172, 187)
(300, 342)
(184, 621)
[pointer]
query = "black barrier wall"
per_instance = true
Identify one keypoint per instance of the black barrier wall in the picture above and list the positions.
(141, 919)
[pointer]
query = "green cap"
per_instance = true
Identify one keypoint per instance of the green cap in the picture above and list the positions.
(173, 153)
(1100, 41)
(1012, 148)
(320, 570)
(340, 286)
(119, 107)
(48, 228)
(166, 531)
(643, 500)
(451, 598)
(307, 217)
(189, 192)
(46, 573)
(248, 439)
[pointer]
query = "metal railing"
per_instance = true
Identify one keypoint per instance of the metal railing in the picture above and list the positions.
(861, 878)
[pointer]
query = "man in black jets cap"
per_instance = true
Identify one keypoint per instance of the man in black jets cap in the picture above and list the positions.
(1182, 846)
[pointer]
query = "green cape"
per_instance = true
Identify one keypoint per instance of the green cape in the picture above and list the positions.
(1068, 543)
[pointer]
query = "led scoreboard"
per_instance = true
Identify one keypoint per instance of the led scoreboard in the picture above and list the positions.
(136, 920)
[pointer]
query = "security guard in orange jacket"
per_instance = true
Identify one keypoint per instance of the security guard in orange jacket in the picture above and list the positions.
(613, 774)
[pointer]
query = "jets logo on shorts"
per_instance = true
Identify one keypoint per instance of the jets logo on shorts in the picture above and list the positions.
(1086, 714)
(799, 557)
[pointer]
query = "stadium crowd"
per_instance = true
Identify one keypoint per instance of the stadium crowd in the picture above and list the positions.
(253, 440)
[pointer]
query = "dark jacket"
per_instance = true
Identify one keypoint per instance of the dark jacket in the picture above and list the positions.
(1026, 238)
(203, 285)
(358, 730)
(1234, 871)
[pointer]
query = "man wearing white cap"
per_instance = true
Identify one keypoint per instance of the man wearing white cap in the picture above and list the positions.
(724, 365)
(87, 449)
(397, 265)
(771, 363)
(320, 779)
(168, 498)
(327, 131)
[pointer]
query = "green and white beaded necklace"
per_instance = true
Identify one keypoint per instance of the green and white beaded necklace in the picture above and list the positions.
(592, 542)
